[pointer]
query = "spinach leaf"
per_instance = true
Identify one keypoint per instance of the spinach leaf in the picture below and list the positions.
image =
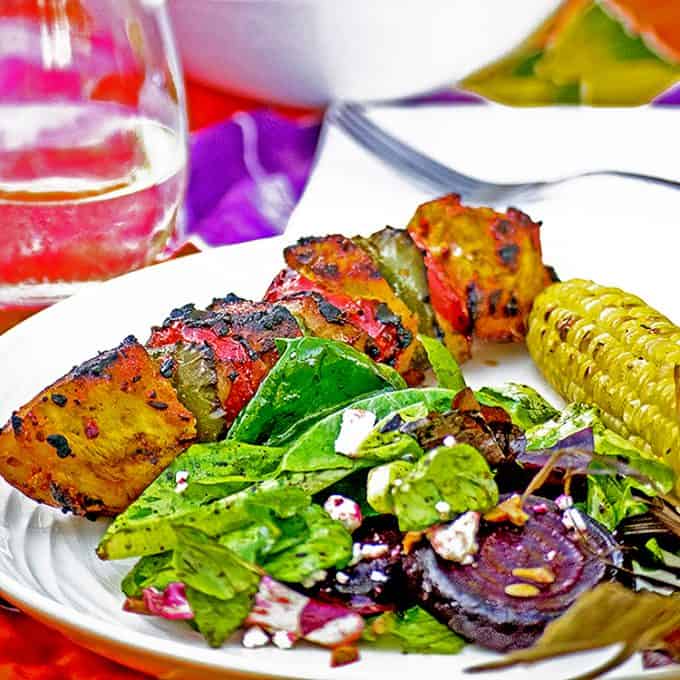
(212, 471)
(458, 476)
(217, 619)
(327, 544)
(132, 535)
(315, 450)
(152, 571)
(610, 499)
(577, 417)
(445, 367)
(387, 443)
(413, 630)
(219, 586)
(295, 548)
(205, 565)
(312, 378)
(524, 404)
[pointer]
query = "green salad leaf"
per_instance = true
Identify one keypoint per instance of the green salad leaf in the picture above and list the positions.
(386, 443)
(152, 571)
(445, 367)
(132, 534)
(219, 586)
(205, 565)
(325, 544)
(315, 450)
(212, 471)
(312, 378)
(524, 404)
(413, 631)
(217, 619)
(456, 475)
(610, 499)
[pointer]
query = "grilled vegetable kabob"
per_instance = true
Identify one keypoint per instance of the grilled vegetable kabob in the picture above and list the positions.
(94, 440)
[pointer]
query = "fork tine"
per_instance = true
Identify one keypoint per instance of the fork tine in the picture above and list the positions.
(409, 155)
(438, 178)
(422, 176)
(403, 157)
(427, 172)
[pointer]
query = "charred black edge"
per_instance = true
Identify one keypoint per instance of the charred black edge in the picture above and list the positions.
(229, 313)
(332, 314)
(83, 506)
(97, 366)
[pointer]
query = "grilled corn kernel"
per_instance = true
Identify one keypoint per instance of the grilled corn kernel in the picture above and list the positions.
(606, 347)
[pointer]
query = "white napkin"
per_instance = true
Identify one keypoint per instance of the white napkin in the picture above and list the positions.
(615, 231)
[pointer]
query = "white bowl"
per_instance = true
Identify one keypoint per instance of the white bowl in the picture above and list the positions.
(315, 51)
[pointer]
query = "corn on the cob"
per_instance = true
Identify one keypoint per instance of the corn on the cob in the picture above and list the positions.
(606, 347)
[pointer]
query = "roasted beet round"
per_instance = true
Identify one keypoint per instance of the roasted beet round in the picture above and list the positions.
(474, 600)
(373, 584)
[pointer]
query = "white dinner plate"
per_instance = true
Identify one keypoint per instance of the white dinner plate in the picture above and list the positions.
(47, 561)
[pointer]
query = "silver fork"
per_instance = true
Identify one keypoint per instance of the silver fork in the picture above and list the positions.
(437, 178)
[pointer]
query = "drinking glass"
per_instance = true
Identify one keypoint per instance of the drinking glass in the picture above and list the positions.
(92, 143)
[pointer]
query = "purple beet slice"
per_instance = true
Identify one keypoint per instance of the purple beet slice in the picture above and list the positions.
(472, 600)
(373, 584)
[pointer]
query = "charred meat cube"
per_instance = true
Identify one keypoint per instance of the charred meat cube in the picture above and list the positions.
(369, 324)
(340, 266)
(192, 369)
(95, 439)
(318, 317)
(484, 270)
(401, 263)
(240, 336)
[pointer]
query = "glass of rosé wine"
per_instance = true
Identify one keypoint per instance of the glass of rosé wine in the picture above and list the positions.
(93, 149)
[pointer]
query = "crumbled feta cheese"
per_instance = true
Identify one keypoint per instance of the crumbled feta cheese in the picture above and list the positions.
(449, 440)
(551, 555)
(288, 616)
(283, 639)
(314, 578)
(356, 426)
(181, 483)
(337, 630)
(254, 637)
(398, 482)
(572, 519)
(344, 510)
(443, 508)
(367, 551)
(378, 577)
(456, 541)
(342, 578)
(277, 607)
(564, 502)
